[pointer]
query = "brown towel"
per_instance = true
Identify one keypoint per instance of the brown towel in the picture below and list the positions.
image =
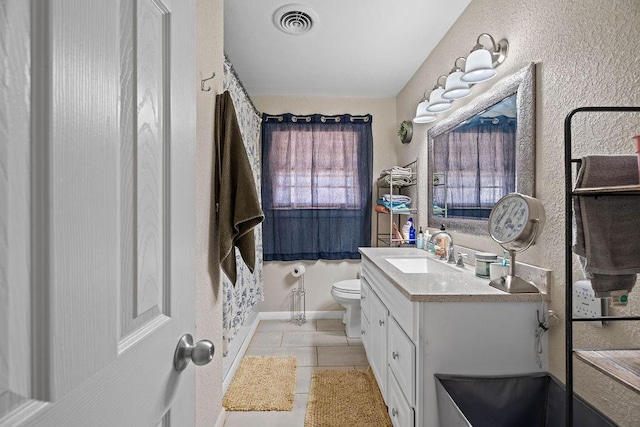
(607, 231)
(237, 199)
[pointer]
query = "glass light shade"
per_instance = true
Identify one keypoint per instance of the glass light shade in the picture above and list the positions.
(436, 103)
(422, 115)
(454, 88)
(478, 67)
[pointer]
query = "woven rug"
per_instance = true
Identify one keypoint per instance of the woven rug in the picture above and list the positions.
(262, 383)
(345, 398)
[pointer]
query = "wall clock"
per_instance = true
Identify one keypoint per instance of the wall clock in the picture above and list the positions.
(514, 223)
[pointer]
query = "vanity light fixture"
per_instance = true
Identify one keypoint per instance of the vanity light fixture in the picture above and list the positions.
(481, 62)
(479, 66)
(454, 88)
(422, 115)
(437, 104)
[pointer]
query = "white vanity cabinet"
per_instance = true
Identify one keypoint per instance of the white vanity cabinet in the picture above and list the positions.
(410, 335)
(391, 353)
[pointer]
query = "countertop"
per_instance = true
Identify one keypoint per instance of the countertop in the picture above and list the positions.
(461, 285)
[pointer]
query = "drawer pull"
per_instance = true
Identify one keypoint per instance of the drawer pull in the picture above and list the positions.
(362, 297)
(394, 355)
(381, 322)
(362, 331)
(394, 412)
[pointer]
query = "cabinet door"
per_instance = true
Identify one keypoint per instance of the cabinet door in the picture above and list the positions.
(378, 341)
(365, 291)
(366, 338)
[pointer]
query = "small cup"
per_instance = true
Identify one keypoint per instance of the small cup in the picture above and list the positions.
(497, 270)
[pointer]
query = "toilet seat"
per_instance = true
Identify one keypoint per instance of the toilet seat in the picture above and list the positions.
(347, 286)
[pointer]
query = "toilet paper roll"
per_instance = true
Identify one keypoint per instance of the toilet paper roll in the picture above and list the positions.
(298, 270)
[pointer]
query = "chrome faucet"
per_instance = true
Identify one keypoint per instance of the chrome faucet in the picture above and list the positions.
(442, 241)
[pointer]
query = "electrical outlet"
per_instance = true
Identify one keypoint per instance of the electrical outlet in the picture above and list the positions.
(585, 304)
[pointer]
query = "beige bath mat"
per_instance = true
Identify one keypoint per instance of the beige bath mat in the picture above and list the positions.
(262, 383)
(345, 398)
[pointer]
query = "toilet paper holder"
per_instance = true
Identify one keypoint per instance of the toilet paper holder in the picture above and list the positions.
(297, 295)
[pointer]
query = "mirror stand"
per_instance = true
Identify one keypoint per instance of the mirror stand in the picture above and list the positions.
(512, 283)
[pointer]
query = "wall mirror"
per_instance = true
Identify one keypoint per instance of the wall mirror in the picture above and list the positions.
(482, 152)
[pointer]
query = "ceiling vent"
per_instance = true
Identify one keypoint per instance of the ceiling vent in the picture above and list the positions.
(295, 19)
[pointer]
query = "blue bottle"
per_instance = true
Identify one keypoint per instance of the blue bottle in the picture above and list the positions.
(412, 233)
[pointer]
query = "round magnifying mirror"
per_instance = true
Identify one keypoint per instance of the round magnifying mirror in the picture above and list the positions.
(514, 223)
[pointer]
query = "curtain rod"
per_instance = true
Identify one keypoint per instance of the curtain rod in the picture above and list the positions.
(323, 119)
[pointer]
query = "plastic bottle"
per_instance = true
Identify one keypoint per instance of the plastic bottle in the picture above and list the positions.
(412, 233)
(420, 239)
(406, 229)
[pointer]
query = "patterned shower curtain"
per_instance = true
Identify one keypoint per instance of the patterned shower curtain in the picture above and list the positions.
(241, 299)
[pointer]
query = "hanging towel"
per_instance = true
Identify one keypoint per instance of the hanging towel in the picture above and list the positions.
(607, 228)
(238, 203)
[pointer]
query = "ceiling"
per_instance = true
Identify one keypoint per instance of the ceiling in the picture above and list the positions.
(357, 48)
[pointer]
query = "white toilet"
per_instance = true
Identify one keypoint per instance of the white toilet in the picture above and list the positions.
(347, 294)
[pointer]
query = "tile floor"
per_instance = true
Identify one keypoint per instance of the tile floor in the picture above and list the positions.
(318, 344)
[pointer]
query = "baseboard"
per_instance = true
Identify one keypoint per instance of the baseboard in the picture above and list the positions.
(221, 418)
(310, 315)
(240, 355)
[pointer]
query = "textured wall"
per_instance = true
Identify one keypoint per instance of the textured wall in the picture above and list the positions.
(586, 53)
(210, 57)
(322, 274)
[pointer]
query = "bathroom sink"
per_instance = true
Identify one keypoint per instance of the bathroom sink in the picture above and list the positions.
(422, 265)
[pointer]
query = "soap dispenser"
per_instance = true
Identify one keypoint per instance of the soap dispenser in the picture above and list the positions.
(420, 239)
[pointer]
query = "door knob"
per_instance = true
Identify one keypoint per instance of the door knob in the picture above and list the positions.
(200, 354)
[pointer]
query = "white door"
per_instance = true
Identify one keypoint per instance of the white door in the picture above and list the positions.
(97, 222)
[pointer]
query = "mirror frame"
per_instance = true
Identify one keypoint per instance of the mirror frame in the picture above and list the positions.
(521, 83)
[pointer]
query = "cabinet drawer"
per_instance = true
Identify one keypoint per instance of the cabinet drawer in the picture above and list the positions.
(401, 356)
(400, 411)
(365, 297)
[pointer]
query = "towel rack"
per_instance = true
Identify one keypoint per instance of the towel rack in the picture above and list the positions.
(569, 194)
(202, 88)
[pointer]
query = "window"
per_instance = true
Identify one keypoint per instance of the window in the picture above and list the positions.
(316, 186)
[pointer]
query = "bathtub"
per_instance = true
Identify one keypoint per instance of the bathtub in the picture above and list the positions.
(535, 400)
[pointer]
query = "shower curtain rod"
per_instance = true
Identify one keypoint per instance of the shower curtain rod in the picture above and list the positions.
(323, 119)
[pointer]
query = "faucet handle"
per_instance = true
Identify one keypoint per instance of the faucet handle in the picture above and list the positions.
(461, 257)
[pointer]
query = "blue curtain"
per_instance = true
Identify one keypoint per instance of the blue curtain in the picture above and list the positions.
(316, 186)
